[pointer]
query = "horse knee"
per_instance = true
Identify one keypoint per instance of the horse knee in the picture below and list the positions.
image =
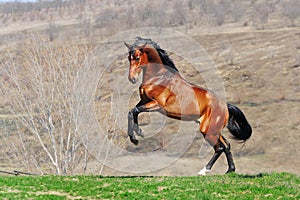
(211, 138)
(222, 145)
(224, 142)
(133, 112)
(130, 115)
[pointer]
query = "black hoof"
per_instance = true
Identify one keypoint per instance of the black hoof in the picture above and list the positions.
(134, 141)
(230, 171)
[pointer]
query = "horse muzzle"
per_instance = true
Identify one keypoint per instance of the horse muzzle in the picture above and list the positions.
(133, 80)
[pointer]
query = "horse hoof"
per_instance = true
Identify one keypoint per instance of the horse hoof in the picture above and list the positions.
(230, 171)
(203, 171)
(134, 141)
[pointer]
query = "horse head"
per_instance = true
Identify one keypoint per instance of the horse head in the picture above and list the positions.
(137, 59)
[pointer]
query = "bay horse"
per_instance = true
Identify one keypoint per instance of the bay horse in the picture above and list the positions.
(164, 90)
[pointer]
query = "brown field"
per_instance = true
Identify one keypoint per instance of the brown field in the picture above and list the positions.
(259, 66)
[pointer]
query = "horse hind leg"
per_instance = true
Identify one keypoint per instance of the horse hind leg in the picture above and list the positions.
(211, 135)
(218, 151)
(221, 146)
(212, 161)
(226, 147)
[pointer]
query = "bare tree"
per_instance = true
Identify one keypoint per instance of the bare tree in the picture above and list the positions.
(291, 10)
(40, 88)
(86, 27)
(262, 11)
(227, 52)
(215, 11)
(105, 17)
(238, 10)
(179, 13)
(151, 13)
(52, 31)
(220, 13)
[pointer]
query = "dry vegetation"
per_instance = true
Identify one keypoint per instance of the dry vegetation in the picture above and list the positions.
(255, 44)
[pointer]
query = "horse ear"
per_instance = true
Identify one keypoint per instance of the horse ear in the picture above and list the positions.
(128, 45)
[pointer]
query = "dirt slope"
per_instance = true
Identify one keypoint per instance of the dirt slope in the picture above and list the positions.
(263, 80)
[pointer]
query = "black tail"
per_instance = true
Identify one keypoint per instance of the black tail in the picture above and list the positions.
(238, 124)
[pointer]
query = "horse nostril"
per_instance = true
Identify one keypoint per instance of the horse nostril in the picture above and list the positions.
(132, 80)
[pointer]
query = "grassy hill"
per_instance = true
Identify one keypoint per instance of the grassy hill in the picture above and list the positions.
(233, 186)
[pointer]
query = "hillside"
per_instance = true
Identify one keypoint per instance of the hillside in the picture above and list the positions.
(45, 47)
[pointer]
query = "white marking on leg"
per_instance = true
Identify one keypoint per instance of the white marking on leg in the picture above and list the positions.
(203, 171)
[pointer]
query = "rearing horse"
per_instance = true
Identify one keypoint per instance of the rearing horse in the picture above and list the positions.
(164, 90)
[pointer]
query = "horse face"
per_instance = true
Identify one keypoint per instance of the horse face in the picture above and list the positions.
(137, 59)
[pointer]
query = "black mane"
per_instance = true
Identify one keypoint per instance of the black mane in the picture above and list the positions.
(166, 60)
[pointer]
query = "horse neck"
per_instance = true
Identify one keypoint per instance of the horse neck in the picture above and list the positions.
(153, 70)
(155, 66)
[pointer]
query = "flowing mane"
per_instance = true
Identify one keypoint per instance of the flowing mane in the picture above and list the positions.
(166, 60)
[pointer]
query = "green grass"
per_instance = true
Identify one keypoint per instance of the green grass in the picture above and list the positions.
(233, 186)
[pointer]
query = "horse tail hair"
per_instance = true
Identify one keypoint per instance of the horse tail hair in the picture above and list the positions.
(238, 124)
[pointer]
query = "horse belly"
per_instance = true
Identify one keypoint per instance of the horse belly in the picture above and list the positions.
(182, 109)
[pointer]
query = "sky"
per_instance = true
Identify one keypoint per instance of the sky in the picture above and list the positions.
(18, 0)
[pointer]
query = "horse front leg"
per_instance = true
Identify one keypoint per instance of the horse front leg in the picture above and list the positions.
(132, 126)
(133, 119)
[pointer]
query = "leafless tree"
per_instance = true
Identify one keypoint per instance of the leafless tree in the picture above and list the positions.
(86, 27)
(151, 13)
(262, 11)
(40, 87)
(220, 13)
(291, 10)
(180, 11)
(52, 31)
(227, 52)
(105, 17)
(192, 4)
(238, 10)
(215, 11)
